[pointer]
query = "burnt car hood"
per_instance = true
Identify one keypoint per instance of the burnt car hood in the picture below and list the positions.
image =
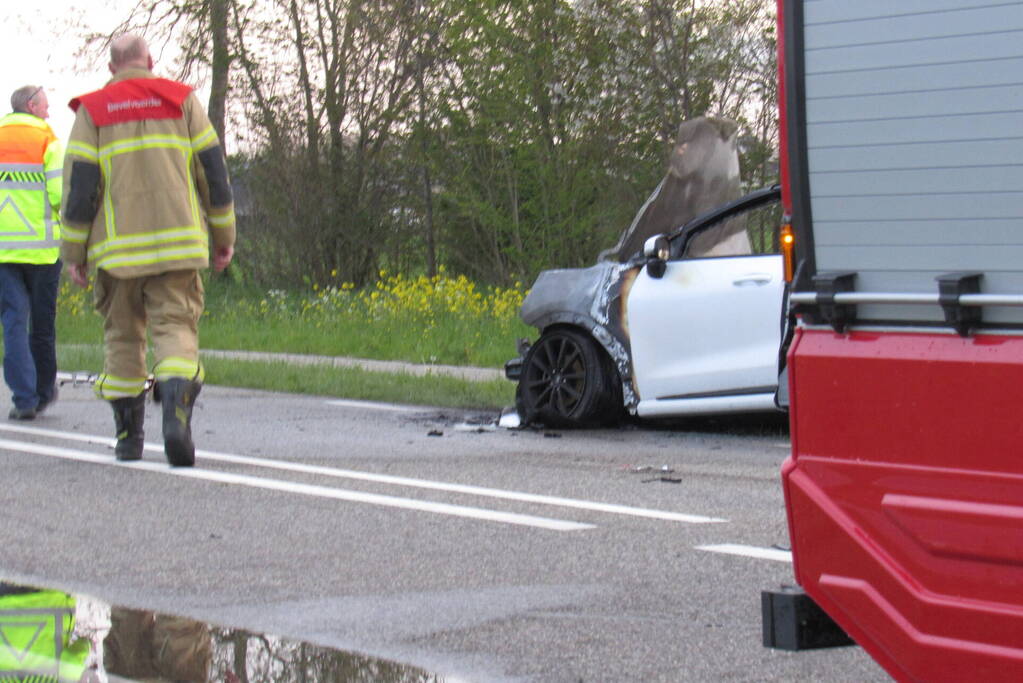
(591, 298)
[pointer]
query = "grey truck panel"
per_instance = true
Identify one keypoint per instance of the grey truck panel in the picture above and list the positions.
(914, 145)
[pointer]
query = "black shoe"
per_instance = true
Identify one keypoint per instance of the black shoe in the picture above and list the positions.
(129, 449)
(22, 414)
(129, 415)
(178, 397)
(44, 404)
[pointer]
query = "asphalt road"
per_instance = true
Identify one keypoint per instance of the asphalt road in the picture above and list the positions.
(425, 537)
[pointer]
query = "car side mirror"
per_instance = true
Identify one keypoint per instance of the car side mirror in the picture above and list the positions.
(656, 251)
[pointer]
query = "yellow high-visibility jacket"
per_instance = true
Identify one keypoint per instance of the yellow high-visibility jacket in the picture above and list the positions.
(30, 190)
(146, 179)
(38, 642)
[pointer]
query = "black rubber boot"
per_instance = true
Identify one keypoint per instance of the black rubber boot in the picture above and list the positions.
(129, 416)
(178, 396)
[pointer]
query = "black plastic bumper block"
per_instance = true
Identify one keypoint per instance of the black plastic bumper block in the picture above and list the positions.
(793, 621)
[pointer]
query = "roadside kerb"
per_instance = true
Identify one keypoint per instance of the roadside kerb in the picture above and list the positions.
(390, 366)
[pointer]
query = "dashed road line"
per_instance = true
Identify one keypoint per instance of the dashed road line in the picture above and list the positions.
(749, 551)
(480, 491)
(302, 489)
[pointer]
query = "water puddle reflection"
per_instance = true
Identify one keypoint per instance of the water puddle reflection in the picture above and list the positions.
(50, 636)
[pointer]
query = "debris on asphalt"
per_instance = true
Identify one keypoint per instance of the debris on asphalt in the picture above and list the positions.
(663, 478)
(509, 420)
(473, 427)
(663, 469)
(78, 377)
(551, 435)
(435, 432)
(84, 377)
(661, 473)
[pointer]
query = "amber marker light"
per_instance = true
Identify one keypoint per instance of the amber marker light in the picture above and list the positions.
(788, 242)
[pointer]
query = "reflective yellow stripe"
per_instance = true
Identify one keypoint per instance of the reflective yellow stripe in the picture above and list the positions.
(81, 149)
(108, 204)
(142, 258)
(221, 221)
(161, 237)
(73, 235)
(203, 139)
(170, 368)
(110, 387)
(146, 142)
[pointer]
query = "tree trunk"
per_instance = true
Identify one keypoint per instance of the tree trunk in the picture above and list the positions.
(220, 67)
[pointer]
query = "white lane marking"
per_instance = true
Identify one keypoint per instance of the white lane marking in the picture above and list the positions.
(398, 481)
(375, 406)
(303, 489)
(749, 551)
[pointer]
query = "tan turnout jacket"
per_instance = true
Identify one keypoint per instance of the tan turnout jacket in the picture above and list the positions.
(145, 179)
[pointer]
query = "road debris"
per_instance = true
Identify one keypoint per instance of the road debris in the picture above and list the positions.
(475, 427)
(663, 469)
(509, 420)
(666, 480)
(83, 377)
(662, 473)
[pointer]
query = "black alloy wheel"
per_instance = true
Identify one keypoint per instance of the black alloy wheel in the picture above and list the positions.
(566, 381)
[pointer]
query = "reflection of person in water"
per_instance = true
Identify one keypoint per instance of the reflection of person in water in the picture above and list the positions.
(146, 645)
(37, 640)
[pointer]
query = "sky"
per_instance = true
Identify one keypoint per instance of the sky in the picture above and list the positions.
(39, 40)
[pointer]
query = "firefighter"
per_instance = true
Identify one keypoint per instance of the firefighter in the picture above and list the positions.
(146, 191)
(30, 191)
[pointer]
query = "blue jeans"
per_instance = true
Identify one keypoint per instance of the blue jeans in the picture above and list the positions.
(28, 306)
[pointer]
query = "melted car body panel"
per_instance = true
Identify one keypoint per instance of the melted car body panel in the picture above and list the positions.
(703, 173)
(591, 299)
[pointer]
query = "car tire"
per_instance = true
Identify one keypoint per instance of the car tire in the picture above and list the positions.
(567, 381)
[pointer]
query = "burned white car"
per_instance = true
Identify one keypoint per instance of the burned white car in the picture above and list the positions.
(689, 325)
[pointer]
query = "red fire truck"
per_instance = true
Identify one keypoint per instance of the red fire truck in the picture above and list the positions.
(902, 151)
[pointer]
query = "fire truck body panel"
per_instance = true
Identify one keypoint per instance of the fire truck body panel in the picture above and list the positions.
(903, 133)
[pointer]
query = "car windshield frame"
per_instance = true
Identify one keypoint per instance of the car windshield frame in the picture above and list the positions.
(681, 237)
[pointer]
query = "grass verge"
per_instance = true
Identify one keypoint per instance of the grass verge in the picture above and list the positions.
(324, 380)
(439, 320)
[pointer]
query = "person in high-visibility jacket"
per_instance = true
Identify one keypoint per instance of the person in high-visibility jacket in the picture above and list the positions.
(37, 637)
(146, 190)
(31, 160)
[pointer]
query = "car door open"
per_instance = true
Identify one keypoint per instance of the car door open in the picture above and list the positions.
(705, 335)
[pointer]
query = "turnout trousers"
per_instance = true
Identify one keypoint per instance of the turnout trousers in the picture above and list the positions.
(169, 305)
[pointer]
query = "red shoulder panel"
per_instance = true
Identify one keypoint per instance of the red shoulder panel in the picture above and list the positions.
(135, 99)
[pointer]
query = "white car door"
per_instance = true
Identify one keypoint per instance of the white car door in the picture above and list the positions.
(705, 336)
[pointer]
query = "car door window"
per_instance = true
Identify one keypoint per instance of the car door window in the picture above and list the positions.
(753, 232)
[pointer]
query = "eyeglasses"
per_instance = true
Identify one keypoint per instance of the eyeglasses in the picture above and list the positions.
(33, 96)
